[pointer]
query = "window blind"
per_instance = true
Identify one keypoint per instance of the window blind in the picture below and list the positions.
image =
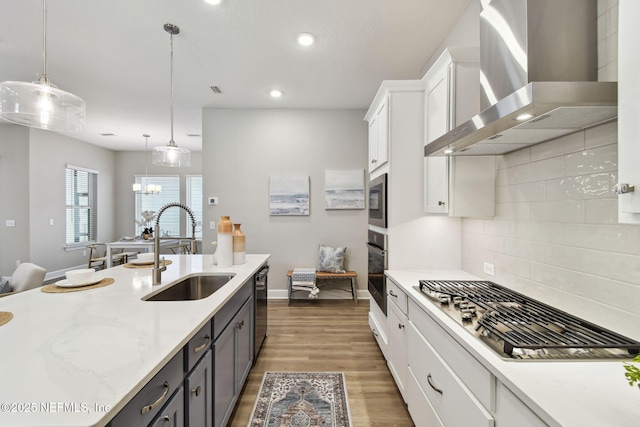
(81, 206)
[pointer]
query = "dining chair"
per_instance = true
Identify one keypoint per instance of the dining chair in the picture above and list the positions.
(98, 256)
(27, 276)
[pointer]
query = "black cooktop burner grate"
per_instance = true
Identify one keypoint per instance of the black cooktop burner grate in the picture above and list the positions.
(525, 323)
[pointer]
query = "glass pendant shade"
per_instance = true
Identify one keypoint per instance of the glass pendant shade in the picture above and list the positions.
(41, 104)
(171, 155)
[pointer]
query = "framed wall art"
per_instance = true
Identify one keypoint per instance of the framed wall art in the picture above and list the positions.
(289, 195)
(344, 189)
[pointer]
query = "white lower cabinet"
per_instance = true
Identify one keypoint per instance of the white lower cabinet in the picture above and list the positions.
(378, 325)
(397, 360)
(454, 404)
(511, 411)
(420, 408)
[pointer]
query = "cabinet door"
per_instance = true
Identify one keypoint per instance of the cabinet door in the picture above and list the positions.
(383, 133)
(173, 412)
(436, 185)
(421, 411)
(244, 343)
(223, 375)
(199, 393)
(373, 143)
(397, 345)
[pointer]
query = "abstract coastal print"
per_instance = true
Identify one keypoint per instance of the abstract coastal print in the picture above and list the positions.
(344, 189)
(289, 195)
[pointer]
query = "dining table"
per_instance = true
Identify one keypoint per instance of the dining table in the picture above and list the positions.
(138, 244)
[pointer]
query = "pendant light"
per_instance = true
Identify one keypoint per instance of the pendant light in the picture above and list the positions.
(148, 188)
(170, 154)
(41, 104)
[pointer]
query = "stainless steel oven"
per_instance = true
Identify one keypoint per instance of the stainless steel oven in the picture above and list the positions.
(376, 281)
(378, 201)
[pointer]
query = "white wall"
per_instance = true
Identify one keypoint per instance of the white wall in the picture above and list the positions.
(14, 200)
(49, 153)
(242, 148)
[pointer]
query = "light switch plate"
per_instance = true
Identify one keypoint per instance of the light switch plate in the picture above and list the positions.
(213, 200)
(10, 223)
(489, 269)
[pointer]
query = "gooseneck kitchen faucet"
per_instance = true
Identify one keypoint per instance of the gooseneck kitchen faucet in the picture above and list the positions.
(157, 270)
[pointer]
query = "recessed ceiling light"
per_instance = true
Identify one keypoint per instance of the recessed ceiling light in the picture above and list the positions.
(275, 93)
(306, 39)
(213, 1)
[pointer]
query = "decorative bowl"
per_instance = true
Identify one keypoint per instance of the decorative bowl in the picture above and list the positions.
(83, 275)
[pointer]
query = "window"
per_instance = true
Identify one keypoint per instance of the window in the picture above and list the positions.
(81, 206)
(194, 201)
(170, 184)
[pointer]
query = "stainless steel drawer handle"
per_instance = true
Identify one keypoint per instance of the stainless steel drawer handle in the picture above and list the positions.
(148, 408)
(431, 384)
(392, 294)
(203, 346)
(196, 391)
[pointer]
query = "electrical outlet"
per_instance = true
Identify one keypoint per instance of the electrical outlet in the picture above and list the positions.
(489, 269)
(212, 225)
(51, 221)
(84, 253)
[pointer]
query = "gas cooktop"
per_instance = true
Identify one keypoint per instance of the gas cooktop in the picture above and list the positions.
(519, 327)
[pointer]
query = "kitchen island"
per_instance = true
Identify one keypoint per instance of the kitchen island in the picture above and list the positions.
(76, 359)
(532, 392)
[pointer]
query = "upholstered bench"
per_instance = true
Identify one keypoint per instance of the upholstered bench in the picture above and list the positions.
(321, 275)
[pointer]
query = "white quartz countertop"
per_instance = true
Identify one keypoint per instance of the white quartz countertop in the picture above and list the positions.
(75, 359)
(562, 393)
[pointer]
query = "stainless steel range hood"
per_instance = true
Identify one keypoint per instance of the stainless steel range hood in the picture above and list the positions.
(539, 58)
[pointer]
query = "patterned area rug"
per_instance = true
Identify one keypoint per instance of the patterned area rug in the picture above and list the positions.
(302, 399)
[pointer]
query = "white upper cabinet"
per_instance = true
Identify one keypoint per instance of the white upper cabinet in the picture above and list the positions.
(379, 135)
(455, 186)
(628, 111)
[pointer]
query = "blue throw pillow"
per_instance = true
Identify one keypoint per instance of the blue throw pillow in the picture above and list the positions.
(331, 259)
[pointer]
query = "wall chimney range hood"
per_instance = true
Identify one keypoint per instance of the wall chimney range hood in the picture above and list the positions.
(538, 71)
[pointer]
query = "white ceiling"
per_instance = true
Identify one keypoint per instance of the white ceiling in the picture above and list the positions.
(115, 55)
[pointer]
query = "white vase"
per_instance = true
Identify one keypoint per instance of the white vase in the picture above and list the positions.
(224, 253)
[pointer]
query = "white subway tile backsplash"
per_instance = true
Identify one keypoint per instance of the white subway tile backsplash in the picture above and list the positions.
(540, 170)
(599, 159)
(601, 211)
(527, 192)
(564, 145)
(601, 135)
(534, 251)
(560, 211)
(611, 238)
(546, 232)
(578, 259)
(512, 265)
(519, 211)
(507, 176)
(580, 187)
(497, 227)
(626, 267)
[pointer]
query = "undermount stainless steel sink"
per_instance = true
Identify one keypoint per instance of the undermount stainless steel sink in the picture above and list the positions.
(192, 288)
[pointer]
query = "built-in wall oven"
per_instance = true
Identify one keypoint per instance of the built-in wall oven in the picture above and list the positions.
(377, 284)
(378, 201)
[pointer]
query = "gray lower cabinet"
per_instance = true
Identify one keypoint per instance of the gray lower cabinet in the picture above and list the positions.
(172, 413)
(200, 385)
(233, 356)
(199, 393)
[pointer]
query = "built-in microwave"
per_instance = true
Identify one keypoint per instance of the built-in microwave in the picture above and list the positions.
(378, 201)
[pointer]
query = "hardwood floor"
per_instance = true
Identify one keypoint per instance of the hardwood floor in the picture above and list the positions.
(331, 336)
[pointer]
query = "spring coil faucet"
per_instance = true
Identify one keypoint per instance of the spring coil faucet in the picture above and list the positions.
(157, 270)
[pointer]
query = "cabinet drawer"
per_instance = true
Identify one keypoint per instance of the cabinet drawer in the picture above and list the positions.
(452, 401)
(150, 400)
(396, 295)
(511, 411)
(475, 376)
(422, 413)
(379, 334)
(172, 413)
(226, 313)
(197, 347)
